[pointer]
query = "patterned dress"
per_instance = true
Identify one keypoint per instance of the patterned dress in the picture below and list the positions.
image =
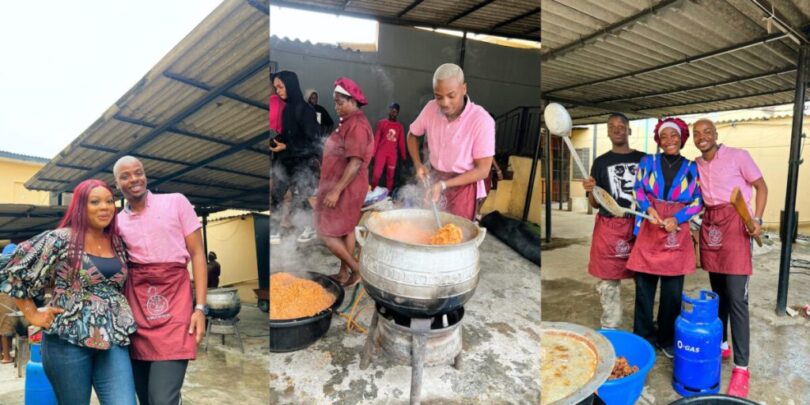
(685, 188)
(96, 314)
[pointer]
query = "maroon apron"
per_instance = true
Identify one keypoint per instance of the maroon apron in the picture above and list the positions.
(725, 246)
(610, 248)
(160, 297)
(457, 200)
(660, 252)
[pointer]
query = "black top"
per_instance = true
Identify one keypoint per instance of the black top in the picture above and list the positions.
(214, 271)
(616, 173)
(326, 119)
(108, 266)
(300, 130)
(670, 165)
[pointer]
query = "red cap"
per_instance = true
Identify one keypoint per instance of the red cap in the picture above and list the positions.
(349, 86)
(675, 123)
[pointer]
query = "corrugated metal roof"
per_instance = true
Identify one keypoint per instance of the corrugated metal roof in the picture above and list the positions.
(21, 157)
(506, 18)
(651, 58)
(20, 221)
(197, 120)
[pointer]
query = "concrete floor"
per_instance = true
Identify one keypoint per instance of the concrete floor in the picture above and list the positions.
(222, 376)
(500, 344)
(780, 348)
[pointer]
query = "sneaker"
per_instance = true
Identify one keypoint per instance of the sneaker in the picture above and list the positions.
(726, 353)
(275, 239)
(738, 385)
(668, 351)
(306, 236)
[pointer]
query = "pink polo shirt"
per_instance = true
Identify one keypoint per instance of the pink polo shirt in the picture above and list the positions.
(454, 145)
(730, 167)
(158, 233)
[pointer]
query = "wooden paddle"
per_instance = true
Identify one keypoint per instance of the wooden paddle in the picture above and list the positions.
(738, 202)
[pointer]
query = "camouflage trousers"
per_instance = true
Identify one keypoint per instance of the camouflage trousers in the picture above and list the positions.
(610, 297)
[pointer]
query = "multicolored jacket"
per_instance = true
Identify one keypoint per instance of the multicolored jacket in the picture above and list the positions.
(650, 185)
(96, 315)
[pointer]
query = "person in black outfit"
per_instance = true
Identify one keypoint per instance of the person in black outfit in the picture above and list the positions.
(324, 119)
(297, 151)
(214, 270)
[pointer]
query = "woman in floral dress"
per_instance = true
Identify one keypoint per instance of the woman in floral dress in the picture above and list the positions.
(87, 322)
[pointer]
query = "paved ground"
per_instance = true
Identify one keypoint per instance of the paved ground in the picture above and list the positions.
(500, 333)
(780, 347)
(222, 376)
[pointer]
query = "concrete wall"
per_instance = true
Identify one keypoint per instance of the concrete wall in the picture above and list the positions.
(510, 196)
(403, 67)
(234, 242)
(768, 142)
(13, 175)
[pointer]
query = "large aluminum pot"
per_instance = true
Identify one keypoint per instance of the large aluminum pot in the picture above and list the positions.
(413, 279)
(223, 303)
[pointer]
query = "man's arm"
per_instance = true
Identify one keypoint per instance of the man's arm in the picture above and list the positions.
(199, 269)
(761, 199)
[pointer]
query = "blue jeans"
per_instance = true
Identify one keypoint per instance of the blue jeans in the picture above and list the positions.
(72, 370)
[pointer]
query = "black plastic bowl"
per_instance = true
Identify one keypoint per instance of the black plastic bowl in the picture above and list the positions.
(290, 335)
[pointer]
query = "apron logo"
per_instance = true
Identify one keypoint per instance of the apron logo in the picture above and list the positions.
(156, 305)
(622, 249)
(672, 240)
(715, 236)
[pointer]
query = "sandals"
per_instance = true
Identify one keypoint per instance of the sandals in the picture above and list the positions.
(354, 278)
(336, 278)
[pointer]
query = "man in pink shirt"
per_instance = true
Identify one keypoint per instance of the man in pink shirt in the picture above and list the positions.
(460, 140)
(162, 234)
(725, 243)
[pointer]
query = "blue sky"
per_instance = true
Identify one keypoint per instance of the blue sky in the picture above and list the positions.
(66, 62)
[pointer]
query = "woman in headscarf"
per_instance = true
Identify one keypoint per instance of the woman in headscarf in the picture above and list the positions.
(297, 149)
(344, 179)
(666, 188)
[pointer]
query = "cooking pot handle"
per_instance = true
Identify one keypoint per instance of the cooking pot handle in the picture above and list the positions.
(482, 233)
(359, 234)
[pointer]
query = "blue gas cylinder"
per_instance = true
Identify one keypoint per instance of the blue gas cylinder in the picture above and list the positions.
(698, 335)
(38, 390)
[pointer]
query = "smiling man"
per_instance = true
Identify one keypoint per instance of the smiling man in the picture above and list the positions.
(461, 142)
(162, 234)
(725, 243)
(615, 172)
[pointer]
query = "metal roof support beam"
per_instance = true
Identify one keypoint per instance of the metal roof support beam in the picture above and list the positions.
(516, 18)
(782, 24)
(203, 86)
(409, 8)
(792, 182)
(53, 180)
(172, 161)
(400, 21)
(69, 166)
(259, 6)
(699, 87)
(692, 59)
(236, 148)
(135, 121)
(470, 11)
(187, 112)
(607, 30)
(716, 100)
(607, 107)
